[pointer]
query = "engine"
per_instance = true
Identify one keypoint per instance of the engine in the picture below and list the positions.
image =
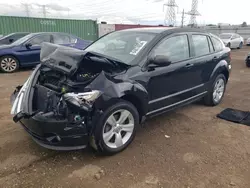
(52, 94)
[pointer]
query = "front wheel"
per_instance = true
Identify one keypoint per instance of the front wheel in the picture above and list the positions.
(216, 93)
(9, 64)
(116, 128)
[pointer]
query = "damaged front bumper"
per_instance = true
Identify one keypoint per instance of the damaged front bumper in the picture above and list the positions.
(46, 130)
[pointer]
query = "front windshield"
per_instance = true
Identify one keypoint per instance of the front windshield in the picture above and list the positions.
(22, 40)
(225, 36)
(122, 45)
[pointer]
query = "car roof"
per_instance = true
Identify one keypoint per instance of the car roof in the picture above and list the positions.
(169, 30)
(50, 33)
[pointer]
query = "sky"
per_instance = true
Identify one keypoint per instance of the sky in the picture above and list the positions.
(130, 11)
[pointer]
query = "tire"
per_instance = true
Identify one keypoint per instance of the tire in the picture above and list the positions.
(209, 99)
(248, 64)
(9, 64)
(240, 45)
(111, 145)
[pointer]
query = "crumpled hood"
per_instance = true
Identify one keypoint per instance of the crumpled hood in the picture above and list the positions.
(60, 57)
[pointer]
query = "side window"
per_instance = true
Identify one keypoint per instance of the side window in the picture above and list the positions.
(38, 40)
(61, 39)
(200, 45)
(218, 46)
(175, 48)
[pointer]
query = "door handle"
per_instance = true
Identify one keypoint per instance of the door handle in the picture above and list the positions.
(189, 65)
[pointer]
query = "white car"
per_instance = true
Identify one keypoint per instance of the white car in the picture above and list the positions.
(232, 40)
(248, 42)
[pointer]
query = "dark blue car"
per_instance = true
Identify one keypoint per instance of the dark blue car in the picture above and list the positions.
(25, 52)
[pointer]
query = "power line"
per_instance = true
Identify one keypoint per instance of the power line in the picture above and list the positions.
(193, 13)
(26, 8)
(44, 10)
(170, 15)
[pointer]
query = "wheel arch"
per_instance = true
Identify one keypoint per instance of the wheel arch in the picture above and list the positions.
(221, 68)
(137, 102)
(11, 55)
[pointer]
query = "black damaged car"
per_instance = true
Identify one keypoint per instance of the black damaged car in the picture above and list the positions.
(100, 95)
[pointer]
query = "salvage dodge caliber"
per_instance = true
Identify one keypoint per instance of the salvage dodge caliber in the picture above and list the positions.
(99, 96)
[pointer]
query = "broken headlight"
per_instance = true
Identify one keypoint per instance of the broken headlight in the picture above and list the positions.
(82, 100)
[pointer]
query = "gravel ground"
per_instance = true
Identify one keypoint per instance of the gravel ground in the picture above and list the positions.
(186, 148)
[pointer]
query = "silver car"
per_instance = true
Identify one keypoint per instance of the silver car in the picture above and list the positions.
(232, 40)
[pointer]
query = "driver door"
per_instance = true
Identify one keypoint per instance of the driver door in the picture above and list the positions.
(171, 85)
(30, 55)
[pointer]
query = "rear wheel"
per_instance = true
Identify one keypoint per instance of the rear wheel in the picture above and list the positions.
(9, 64)
(116, 128)
(217, 90)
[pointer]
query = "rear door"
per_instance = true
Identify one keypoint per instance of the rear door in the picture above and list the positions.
(207, 60)
(31, 55)
(203, 57)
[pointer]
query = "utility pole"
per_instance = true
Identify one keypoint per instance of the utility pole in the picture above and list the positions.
(170, 15)
(44, 10)
(182, 18)
(27, 9)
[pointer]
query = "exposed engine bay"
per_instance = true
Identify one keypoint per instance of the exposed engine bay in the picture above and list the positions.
(60, 91)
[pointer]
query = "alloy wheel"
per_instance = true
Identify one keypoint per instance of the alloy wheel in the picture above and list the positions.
(218, 90)
(8, 64)
(118, 128)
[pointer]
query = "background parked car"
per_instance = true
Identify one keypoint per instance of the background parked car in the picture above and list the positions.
(232, 40)
(8, 39)
(25, 52)
(248, 42)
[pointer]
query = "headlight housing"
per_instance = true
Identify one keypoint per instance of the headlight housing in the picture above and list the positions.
(82, 100)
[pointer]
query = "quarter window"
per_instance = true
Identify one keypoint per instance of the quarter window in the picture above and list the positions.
(175, 48)
(201, 46)
(218, 46)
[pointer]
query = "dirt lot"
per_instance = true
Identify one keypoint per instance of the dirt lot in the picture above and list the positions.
(201, 152)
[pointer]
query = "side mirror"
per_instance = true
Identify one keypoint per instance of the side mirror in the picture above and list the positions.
(11, 40)
(28, 45)
(160, 61)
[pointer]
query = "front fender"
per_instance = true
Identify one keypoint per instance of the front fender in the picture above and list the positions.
(114, 89)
